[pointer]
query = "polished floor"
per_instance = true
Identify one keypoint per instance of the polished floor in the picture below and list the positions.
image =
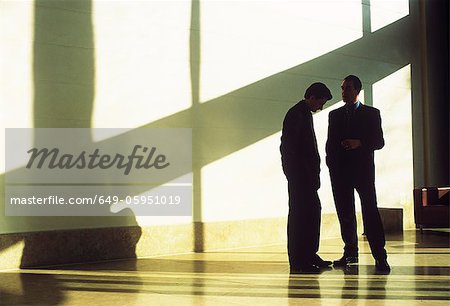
(252, 276)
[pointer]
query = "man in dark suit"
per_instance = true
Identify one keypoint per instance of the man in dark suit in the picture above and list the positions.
(301, 165)
(354, 133)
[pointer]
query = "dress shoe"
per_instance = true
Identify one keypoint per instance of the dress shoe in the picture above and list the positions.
(317, 261)
(345, 261)
(382, 266)
(305, 269)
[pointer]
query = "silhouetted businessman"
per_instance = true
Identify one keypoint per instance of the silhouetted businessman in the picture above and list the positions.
(354, 133)
(301, 165)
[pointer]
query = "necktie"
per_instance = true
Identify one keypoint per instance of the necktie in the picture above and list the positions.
(349, 111)
(349, 114)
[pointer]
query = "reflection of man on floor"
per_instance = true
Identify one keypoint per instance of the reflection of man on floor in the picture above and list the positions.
(301, 165)
(354, 133)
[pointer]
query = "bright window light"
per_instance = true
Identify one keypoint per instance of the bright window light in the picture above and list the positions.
(245, 41)
(142, 61)
(385, 12)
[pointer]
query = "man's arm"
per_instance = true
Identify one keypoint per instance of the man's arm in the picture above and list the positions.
(374, 140)
(298, 149)
(332, 145)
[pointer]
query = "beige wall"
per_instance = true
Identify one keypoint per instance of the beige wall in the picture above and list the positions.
(228, 69)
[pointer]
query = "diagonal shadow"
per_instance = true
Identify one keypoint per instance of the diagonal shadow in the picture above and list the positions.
(235, 112)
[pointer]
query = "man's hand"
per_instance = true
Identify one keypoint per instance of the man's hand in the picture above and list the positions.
(351, 144)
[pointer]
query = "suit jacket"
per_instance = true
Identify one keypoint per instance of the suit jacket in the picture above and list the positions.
(364, 124)
(299, 155)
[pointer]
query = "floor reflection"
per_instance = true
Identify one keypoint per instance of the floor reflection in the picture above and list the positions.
(257, 276)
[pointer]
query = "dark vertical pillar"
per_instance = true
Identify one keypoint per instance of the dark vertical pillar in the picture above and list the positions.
(437, 61)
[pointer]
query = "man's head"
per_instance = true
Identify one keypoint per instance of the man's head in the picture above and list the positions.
(351, 87)
(317, 95)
